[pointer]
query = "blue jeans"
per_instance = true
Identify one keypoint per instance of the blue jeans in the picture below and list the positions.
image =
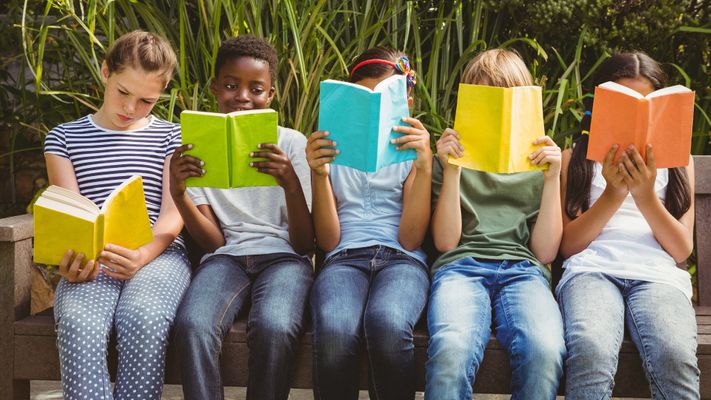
(527, 322)
(374, 294)
(661, 322)
(279, 286)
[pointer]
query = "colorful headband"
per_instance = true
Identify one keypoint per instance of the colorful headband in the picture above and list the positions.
(402, 66)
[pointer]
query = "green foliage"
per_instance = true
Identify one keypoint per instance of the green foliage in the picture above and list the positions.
(562, 42)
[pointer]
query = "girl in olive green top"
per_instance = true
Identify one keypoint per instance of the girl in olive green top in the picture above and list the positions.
(496, 232)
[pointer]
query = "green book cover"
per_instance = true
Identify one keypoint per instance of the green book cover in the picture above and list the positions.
(224, 141)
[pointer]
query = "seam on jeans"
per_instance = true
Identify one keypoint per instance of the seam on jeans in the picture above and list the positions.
(645, 356)
(229, 303)
(367, 343)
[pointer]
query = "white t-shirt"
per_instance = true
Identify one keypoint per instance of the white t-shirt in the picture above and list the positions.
(254, 219)
(626, 247)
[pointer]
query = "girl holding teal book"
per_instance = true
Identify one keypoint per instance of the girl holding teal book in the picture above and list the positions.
(134, 291)
(496, 232)
(373, 284)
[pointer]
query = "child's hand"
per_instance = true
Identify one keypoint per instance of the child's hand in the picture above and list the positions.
(548, 154)
(318, 153)
(415, 137)
(121, 263)
(449, 145)
(277, 164)
(183, 166)
(615, 182)
(72, 270)
(638, 174)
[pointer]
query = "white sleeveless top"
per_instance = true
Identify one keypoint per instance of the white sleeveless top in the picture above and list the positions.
(626, 247)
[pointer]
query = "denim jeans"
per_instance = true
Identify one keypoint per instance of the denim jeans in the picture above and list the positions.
(375, 294)
(661, 322)
(141, 309)
(527, 323)
(279, 285)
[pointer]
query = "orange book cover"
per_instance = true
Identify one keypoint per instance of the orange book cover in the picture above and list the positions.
(623, 116)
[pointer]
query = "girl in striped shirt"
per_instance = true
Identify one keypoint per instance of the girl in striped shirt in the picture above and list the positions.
(136, 292)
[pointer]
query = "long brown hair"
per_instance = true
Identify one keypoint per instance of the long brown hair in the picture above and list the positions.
(580, 170)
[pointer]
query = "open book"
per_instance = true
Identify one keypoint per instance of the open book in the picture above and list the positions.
(361, 121)
(663, 118)
(224, 142)
(65, 220)
(497, 127)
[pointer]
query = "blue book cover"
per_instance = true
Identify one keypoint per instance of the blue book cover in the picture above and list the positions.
(361, 121)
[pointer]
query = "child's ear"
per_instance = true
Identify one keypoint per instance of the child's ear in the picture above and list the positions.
(104, 72)
(410, 102)
(272, 91)
(213, 87)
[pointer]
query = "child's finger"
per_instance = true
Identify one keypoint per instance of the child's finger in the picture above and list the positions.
(406, 139)
(409, 130)
(324, 143)
(66, 262)
(269, 156)
(86, 271)
(324, 152)
(651, 162)
(544, 139)
(610, 155)
(191, 171)
(450, 132)
(317, 135)
(74, 268)
(630, 166)
(271, 147)
(414, 122)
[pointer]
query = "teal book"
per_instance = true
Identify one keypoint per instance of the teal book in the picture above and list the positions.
(361, 122)
(224, 142)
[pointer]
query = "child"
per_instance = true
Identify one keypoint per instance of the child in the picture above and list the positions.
(135, 291)
(496, 232)
(626, 226)
(373, 285)
(258, 240)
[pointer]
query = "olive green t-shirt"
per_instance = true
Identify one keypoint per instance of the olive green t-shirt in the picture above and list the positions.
(498, 213)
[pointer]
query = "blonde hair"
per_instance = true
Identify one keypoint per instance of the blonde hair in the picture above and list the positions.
(497, 67)
(145, 50)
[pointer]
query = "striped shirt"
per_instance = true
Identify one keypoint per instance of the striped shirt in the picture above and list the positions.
(103, 158)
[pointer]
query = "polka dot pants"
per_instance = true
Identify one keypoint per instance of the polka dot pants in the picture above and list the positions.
(142, 309)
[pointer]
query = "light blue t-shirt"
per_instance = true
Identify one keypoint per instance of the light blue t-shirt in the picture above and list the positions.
(369, 206)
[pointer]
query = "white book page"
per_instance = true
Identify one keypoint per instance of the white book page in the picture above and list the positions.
(256, 111)
(67, 196)
(65, 208)
(622, 89)
(669, 90)
(355, 85)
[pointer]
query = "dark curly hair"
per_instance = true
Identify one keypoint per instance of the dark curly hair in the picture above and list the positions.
(247, 46)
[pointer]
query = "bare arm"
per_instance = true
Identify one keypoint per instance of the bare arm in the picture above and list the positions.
(417, 190)
(325, 215)
(579, 232)
(301, 231)
(201, 222)
(548, 229)
(447, 216)
(675, 236)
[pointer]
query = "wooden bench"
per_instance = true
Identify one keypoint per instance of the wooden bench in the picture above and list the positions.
(28, 343)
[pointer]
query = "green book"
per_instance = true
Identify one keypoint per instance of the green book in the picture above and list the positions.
(224, 142)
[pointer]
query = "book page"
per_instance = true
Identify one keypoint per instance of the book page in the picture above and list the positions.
(621, 89)
(126, 221)
(479, 120)
(526, 126)
(349, 114)
(207, 132)
(669, 90)
(393, 108)
(615, 120)
(671, 119)
(70, 197)
(247, 131)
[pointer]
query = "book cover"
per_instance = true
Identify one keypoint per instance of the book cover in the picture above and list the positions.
(361, 121)
(65, 220)
(497, 127)
(224, 142)
(623, 116)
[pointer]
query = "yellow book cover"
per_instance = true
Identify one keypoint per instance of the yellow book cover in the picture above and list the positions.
(65, 220)
(497, 127)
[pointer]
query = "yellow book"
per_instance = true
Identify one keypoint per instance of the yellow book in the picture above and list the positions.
(65, 220)
(497, 127)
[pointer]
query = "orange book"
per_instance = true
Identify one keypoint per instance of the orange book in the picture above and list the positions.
(663, 118)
